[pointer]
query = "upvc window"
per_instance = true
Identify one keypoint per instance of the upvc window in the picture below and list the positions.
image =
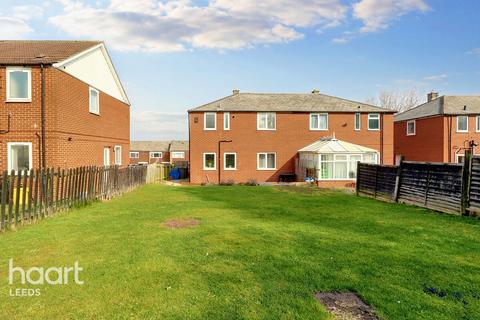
(374, 121)
(462, 123)
(19, 156)
(118, 155)
(156, 154)
(19, 84)
(266, 161)
(411, 128)
(134, 155)
(209, 161)
(230, 161)
(94, 104)
(226, 121)
(342, 166)
(178, 155)
(318, 121)
(478, 123)
(210, 121)
(266, 121)
(358, 121)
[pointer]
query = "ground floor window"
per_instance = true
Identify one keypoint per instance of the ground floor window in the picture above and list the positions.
(266, 161)
(230, 161)
(134, 155)
(178, 155)
(19, 156)
(118, 155)
(209, 161)
(342, 166)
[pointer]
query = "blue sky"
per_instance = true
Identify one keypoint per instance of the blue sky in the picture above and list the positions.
(175, 55)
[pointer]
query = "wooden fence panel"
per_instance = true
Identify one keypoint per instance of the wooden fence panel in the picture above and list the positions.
(376, 181)
(29, 195)
(474, 192)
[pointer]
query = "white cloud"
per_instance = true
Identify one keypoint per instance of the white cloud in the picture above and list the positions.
(13, 28)
(153, 26)
(378, 14)
(437, 77)
(27, 12)
(152, 125)
(475, 51)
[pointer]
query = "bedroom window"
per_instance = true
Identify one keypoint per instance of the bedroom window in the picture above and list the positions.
(19, 84)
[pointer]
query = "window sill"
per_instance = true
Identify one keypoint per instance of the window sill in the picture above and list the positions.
(273, 169)
(206, 129)
(95, 113)
(18, 100)
(266, 129)
(373, 129)
(313, 129)
(410, 134)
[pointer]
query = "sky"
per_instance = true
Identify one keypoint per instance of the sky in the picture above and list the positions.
(175, 55)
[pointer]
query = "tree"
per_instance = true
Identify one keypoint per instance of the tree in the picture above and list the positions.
(396, 100)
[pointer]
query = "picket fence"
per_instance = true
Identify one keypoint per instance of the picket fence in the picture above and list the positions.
(30, 195)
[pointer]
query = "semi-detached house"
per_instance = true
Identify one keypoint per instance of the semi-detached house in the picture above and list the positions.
(61, 105)
(270, 137)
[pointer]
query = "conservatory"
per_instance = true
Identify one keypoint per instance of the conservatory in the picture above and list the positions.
(333, 159)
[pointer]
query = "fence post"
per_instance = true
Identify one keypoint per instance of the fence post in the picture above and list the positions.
(357, 186)
(376, 180)
(398, 180)
(466, 177)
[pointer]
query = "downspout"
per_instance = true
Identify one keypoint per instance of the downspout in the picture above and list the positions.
(43, 164)
(39, 138)
(450, 139)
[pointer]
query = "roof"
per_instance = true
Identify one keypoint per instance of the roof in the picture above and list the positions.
(30, 52)
(332, 145)
(149, 145)
(287, 102)
(177, 145)
(444, 105)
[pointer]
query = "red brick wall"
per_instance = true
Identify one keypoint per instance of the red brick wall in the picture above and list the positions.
(425, 145)
(292, 133)
(74, 136)
(431, 141)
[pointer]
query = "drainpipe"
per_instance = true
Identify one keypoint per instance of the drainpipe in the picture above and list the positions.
(43, 164)
(381, 138)
(450, 139)
(39, 139)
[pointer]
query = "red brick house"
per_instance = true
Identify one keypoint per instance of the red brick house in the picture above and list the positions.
(61, 105)
(252, 136)
(439, 130)
(147, 152)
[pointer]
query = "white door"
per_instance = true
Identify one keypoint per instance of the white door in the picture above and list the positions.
(106, 156)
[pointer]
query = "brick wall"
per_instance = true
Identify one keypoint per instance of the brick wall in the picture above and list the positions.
(144, 156)
(74, 136)
(292, 133)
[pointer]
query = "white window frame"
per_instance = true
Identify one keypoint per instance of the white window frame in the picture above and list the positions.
(458, 118)
(226, 121)
(153, 152)
(29, 89)
(266, 161)
(134, 154)
(318, 115)
(478, 124)
(458, 155)
(414, 128)
(9, 154)
(90, 90)
(117, 150)
(175, 154)
(259, 114)
(359, 115)
(225, 161)
(214, 161)
(349, 155)
(372, 116)
(205, 121)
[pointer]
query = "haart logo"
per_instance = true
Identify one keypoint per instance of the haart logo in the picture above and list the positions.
(40, 276)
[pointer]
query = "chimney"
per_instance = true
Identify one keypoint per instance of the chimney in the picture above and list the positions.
(432, 96)
(315, 91)
(236, 91)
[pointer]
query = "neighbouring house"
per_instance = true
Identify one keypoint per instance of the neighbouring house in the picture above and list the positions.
(62, 105)
(262, 137)
(147, 152)
(439, 130)
(179, 153)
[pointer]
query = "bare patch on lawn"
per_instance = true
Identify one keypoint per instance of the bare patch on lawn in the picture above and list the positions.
(346, 306)
(181, 223)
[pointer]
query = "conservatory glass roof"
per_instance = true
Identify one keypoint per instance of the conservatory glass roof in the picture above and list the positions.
(333, 145)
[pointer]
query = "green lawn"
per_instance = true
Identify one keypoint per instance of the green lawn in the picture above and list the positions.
(259, 253)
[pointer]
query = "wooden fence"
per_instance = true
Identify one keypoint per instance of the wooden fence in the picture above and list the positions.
(474, 187)
(158, 172)
(437, 186)
(30, 195)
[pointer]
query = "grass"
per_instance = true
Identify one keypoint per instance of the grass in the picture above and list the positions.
(259, 253)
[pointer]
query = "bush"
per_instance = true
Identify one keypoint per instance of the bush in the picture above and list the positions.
(229, 182)
(251, 182)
